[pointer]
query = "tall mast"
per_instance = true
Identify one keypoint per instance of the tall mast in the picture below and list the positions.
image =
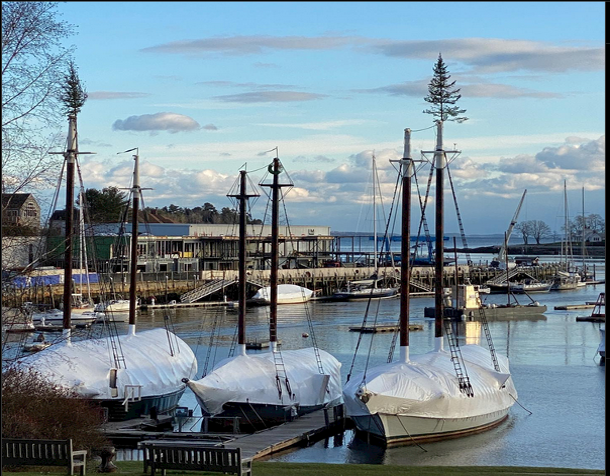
(133, 264)
(374, 218)
(242, 198)
(405, 270)
(439, 162)
(275, 168)
(70, 156)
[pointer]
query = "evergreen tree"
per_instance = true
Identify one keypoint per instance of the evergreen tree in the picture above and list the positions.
(443, 95)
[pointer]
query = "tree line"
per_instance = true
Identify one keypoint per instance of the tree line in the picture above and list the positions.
(111, 205)
(537, 230)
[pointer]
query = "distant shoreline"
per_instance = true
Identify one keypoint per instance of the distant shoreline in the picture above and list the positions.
(596, 250)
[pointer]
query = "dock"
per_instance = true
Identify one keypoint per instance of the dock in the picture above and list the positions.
(384, 328)
(574, 307)
(303, 430)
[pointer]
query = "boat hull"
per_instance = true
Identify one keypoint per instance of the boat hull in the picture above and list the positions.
(160, 404)
(389, 430)
(494, 313)
(365, 294)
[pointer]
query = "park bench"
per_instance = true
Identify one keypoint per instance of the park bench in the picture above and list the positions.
(21, 452)
(194, 458)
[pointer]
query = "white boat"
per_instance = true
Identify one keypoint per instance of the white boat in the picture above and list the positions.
(114, 305)
(269, 388)
(531, 287)
(130, 375)
(286, 294)
(438, 394)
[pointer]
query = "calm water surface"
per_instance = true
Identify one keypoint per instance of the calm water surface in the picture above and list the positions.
(553, 359)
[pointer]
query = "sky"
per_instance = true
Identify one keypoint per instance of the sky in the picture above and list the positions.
(206, 89)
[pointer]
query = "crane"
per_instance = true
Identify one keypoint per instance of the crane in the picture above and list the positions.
(501, 259)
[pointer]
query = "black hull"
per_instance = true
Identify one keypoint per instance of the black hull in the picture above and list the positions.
(159, 404)
(499, 312)
(256, 416)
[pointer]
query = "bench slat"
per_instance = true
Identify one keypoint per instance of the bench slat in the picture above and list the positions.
(22, 452)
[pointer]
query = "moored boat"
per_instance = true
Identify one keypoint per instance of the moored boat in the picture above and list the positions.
(286, 294)
(440, 394)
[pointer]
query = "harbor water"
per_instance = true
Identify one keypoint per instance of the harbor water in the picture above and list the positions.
(559, 420)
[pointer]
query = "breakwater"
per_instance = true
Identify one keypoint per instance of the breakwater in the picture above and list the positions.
(167, 287)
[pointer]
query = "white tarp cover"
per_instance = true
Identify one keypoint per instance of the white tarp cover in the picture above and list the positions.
(286, 293)
(252, 378)
(427, 386)
(84, 366)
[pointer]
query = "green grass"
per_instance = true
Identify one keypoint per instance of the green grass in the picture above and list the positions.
(134, 468)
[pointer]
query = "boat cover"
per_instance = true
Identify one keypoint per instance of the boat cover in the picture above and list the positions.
(285, 293)
(252, 378)
(84, 366)
(427, 386)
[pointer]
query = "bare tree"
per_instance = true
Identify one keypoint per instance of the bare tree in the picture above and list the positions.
(525, 228)
(539, 230)
(33, 61)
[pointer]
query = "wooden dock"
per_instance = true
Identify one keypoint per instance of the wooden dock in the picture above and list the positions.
(384, 328)
(303, 430)
(574, 307)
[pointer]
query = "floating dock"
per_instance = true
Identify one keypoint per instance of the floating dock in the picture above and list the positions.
(574, 307)
(384, 328)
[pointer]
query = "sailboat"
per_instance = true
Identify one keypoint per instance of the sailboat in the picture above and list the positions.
(286, 294)
(566, 279)
(367, 288)
(440, 394)
(268, 388)
(130, 375)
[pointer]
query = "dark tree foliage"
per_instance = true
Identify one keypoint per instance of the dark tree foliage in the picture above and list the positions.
(73, 94)
(105, 206)
(34, 409)
(205, 214)
(443, 95)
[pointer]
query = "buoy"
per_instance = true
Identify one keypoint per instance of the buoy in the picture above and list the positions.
(305, 334)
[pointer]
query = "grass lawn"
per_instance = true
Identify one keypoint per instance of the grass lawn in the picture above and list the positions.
(134, 468)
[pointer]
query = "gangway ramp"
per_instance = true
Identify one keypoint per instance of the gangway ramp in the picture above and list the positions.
(205, 290)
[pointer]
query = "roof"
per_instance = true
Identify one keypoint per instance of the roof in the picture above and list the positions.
(15, 200)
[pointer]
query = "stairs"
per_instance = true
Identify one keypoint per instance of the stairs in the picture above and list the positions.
(205, 290)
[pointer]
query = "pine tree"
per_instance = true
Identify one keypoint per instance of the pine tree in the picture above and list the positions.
(443, 96)
(73, 94)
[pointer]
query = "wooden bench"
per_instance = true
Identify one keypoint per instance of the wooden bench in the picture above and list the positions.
(190, 457)
(17, 452)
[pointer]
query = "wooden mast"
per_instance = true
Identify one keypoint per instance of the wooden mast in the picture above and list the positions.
(70, 165)
(133, 265)
(405, 251)
(275, 169)
(242, 198)
(439, 162)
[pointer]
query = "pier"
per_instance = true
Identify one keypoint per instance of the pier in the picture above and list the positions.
(301, 431)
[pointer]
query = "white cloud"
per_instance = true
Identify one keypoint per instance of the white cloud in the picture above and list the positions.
(161, 121)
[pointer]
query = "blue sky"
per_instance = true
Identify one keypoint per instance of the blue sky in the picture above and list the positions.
(205, 88)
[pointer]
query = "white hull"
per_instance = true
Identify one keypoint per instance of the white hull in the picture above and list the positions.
(406, 402)
(389, 429)
(117, 305)
(54, 318)
(286, 294)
